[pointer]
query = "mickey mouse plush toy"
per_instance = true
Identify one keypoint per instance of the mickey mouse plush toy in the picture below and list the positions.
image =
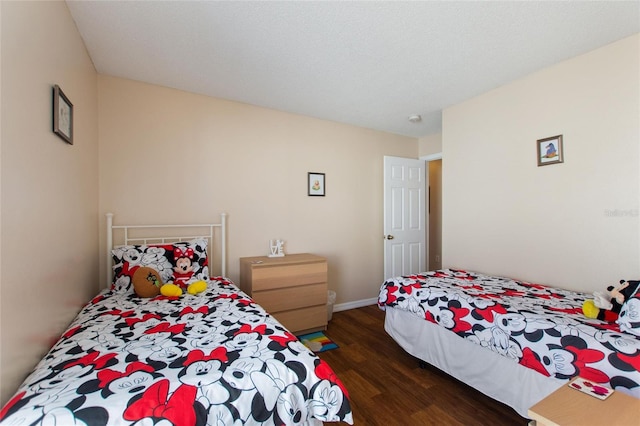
(607, 306)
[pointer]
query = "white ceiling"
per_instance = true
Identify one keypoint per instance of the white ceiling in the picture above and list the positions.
(370, 64)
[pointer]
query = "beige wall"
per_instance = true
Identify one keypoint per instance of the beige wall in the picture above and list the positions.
(574, 224)
(430, 145)
(171, 156)
(49, 190)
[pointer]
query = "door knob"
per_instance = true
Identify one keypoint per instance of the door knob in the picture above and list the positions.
(389, 237)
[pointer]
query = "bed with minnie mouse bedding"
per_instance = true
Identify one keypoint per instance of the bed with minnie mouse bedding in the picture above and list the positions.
(514, 341)
(211, 358)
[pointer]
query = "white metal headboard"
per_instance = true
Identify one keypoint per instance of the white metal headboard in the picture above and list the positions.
(131, 237)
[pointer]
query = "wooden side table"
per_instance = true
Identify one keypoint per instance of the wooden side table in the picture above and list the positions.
(570, 407)
(292, 288)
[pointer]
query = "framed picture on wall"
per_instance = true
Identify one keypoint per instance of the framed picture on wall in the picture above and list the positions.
(316, 184)
(62, 115)
(550, 151)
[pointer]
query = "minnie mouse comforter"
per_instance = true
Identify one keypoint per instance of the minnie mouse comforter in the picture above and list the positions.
(539, 327)
(215, 358)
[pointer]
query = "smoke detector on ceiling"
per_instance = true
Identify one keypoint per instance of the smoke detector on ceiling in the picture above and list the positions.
(415, 118)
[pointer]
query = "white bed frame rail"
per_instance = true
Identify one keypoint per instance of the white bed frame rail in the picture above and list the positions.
(130, 232)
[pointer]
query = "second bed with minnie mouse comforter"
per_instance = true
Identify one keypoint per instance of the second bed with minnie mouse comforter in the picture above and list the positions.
(539, 328)
(213, 358)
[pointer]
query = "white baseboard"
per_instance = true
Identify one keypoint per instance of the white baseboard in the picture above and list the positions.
(353, 305)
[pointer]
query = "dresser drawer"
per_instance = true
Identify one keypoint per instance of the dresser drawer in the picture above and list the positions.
(292, 288)
(280, 276)
(305, 319)
(288, 298)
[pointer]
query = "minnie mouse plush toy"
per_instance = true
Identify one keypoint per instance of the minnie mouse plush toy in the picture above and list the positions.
(183, 271)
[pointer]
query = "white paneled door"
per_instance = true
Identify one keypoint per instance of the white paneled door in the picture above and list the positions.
(405, 232)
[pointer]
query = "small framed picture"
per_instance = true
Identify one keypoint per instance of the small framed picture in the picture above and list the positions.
(316, 184)
(62, 115)
(550, 151)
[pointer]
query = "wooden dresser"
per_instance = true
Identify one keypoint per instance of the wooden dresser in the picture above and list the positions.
(292, 288)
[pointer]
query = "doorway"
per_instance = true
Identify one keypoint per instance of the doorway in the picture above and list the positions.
(434, 210)
(434, 214)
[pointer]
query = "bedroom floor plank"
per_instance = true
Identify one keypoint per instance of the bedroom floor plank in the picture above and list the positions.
(387, 387)
(427, 416)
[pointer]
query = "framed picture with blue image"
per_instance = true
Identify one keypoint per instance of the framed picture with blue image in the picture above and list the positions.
(550, 151)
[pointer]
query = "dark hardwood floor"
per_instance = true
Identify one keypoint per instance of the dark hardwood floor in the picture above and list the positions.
(387, 386)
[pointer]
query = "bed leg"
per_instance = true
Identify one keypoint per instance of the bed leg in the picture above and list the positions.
(422, 364)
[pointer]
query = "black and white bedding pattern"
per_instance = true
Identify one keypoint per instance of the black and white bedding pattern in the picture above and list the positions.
(537, 326)
(216, 358)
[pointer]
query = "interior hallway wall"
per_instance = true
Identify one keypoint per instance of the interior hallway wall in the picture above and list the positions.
(435, 214)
